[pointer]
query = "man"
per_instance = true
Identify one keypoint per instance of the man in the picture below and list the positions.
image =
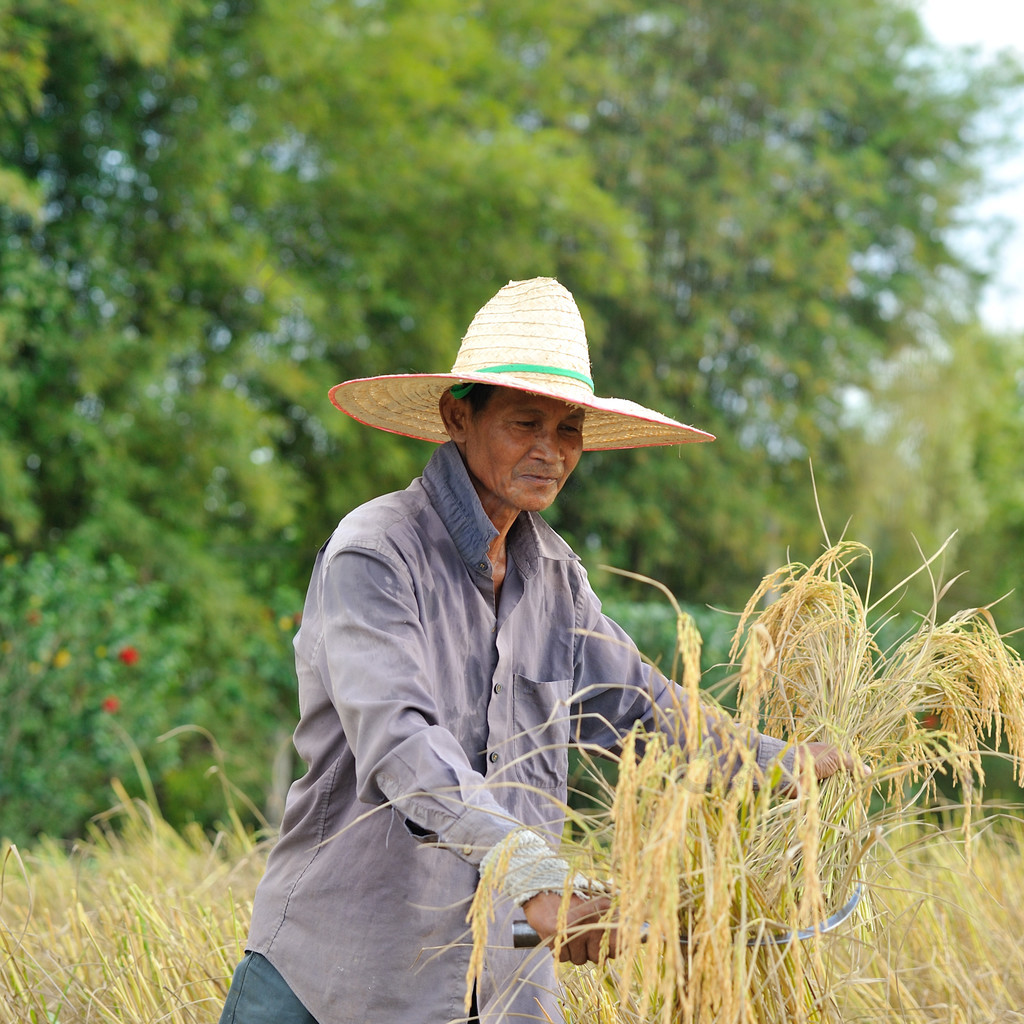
(451, 650)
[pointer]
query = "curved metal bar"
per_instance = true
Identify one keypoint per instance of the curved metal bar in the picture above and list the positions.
(799, 934)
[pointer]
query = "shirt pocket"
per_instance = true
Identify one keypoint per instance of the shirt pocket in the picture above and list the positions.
(540, 731)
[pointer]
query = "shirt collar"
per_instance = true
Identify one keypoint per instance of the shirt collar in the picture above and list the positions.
(446, 481)
(451, 492)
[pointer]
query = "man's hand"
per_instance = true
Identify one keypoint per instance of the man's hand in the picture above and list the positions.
(826, 759)
(584, 932)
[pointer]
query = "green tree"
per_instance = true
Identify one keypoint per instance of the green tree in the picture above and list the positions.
(940, 459)
(243, 207)
(795, 169)
(212, 210)
(211, 213)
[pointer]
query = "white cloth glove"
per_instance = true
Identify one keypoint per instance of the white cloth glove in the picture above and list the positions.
(525, 865)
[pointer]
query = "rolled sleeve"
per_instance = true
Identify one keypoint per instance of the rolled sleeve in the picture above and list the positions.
(773, 752)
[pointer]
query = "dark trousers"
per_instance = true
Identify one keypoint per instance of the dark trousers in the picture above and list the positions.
(259, 995)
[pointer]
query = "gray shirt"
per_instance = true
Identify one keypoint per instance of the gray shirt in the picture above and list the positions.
(432, 724)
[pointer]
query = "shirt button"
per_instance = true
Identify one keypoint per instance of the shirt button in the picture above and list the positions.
(498, 687)
(482, 566)
(494, 757)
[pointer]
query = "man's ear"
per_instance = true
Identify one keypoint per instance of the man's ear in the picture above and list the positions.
(455, 413)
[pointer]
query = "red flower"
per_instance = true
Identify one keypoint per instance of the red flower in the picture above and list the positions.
(111, 704)
(128, 655)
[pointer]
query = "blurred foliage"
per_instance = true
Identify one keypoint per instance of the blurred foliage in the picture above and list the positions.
(93, 674)
(82, 664)
(793, 175)
(213, 210)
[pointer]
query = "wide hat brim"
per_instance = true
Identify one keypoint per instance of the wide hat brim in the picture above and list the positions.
(529, 337)
(407, 404)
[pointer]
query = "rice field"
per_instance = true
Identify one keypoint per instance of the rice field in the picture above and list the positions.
(145, 925)
(943, 945)
(134, 923)
(138, 923)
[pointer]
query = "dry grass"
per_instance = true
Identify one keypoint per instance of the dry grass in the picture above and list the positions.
(141, 924)
(147, 927)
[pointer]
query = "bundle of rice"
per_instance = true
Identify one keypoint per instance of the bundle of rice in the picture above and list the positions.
(930, 704)
(715, 880)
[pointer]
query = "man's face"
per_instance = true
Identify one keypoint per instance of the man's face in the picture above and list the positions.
(520, 449)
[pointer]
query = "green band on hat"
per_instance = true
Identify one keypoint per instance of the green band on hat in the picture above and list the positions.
(461, 390)
(555, 371)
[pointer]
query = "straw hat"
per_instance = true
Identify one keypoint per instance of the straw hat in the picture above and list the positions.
(530, 337)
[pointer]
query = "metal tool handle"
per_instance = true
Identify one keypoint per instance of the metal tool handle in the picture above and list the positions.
(523, 936)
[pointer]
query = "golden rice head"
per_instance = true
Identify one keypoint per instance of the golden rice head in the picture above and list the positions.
(812, 648)
(968, 684)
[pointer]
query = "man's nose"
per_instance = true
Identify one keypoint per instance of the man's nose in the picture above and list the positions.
(545, 445)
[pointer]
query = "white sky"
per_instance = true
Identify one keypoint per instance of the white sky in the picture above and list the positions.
(992, 25)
